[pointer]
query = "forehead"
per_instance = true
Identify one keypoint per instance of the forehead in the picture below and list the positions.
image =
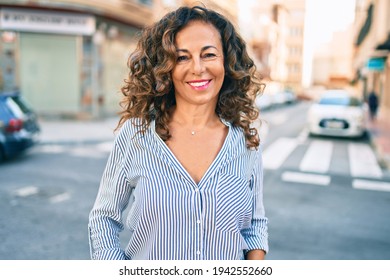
(198, 32)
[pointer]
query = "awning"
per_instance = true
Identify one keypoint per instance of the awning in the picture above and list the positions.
(376, 64)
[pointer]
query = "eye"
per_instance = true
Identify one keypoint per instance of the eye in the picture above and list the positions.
(209, 56)
(181, 58)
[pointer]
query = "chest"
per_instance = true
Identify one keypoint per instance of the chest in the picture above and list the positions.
(196, 153)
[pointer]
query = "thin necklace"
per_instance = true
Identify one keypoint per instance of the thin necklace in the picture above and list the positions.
(194, 132)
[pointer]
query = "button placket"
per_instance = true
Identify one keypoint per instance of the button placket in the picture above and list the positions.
(198, 225)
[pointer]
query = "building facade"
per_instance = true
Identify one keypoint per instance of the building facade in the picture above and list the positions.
(68, 58)
(295, 43)
(332, 61)
(371, 59)
(275, 32)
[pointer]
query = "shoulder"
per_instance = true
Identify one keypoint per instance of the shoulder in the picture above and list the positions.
(238, 143)
(128, 131)
(130, 127)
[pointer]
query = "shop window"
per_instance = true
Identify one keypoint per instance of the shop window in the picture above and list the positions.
(8, 62)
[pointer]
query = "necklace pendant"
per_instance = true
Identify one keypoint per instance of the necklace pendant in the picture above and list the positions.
(192, 132)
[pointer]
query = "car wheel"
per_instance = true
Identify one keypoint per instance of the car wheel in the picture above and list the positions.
(365, 135)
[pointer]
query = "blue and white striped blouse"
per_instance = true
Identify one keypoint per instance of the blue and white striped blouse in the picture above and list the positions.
(170, 216)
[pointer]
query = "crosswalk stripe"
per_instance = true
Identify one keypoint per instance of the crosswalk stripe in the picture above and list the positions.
(275, 154)
(317, 157)
(60, 197)
(105, 146)
(363, 161)
(299, 177)
(371, 185)
(302, 137)
(27, 191)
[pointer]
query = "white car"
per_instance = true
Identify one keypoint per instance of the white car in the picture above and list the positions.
(263, 101)
(284, 97)
(337, 114)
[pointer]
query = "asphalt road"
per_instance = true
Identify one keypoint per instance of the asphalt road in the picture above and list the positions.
(322, 214)
(46, 196)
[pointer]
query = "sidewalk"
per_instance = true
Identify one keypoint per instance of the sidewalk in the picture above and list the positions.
(73, 132)
(94, 131)
(379, 131)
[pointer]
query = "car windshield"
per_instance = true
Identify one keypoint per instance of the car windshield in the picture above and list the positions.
(22, 104)
(340, 101)
(14, 108)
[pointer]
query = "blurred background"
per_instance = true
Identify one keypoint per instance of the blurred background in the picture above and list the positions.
(326, 151)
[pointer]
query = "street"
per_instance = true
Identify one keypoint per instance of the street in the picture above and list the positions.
(316, 210)
(320, 203)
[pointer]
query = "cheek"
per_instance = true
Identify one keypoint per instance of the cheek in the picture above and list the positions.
(220, 69)
(176, 74)
(221, 72)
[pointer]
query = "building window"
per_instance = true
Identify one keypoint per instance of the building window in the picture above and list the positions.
(295, 51)
(296, 32)
(294, 68)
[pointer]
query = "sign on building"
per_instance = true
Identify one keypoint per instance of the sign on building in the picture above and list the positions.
(46, 22)
(376, 64)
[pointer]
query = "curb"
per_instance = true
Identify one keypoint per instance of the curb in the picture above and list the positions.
(383, 160)
(73, 142)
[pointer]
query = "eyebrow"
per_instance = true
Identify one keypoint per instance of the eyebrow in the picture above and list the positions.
(203, 49)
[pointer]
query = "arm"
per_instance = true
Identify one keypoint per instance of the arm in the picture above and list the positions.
(256, 236)
(105, 219)
(255, 255)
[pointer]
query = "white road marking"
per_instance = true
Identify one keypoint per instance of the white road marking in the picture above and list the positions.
(302, 137)
(275, 154)
(60, 197)
(371, 185)
(86, 152)
(363, 161)
(52, 149)
(298, 177)
(105, 146)
(27, 191)
(317, 157)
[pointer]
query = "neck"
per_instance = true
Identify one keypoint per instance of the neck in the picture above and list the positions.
(195, 118)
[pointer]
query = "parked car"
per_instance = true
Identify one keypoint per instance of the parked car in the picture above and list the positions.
(19, 128)
(337, 113)
(263, 101)
(290, 97)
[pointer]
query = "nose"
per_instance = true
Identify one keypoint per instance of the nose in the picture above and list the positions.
(197, 66)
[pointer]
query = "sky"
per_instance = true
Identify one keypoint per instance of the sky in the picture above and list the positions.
(326, 16)
(323, 17)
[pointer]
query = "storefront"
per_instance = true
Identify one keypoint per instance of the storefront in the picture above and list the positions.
(64, 64)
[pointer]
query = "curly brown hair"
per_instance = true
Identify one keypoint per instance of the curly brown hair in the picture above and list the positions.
(149, 92)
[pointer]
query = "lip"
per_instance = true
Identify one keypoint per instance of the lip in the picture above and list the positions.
(199, 84)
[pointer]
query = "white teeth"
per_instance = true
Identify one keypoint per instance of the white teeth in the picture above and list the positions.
(200, 84)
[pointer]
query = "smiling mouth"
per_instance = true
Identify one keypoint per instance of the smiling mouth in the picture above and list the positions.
(199, 85)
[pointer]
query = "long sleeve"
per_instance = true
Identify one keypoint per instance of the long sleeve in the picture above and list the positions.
(105, 219)
(256, 236)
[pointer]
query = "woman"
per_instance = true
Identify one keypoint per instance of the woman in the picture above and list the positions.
(186, 161)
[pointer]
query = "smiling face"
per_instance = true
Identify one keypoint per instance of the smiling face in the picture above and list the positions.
(199, 71)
